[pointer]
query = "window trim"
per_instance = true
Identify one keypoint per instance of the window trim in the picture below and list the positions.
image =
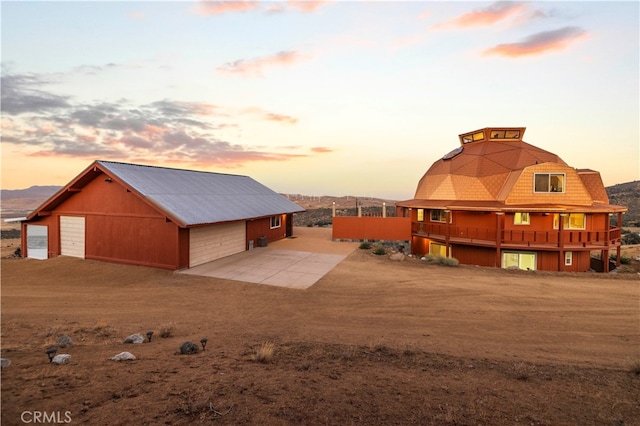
(277, 219)
(549, 191)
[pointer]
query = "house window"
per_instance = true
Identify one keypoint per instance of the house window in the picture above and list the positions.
(505, 134)
(526, 261)
(275, 222)
(568, 258)
(420, 215)
(438, 249)
(473, 137)
(548, 182)
(438, 216)
(570, 221)
(521, 219)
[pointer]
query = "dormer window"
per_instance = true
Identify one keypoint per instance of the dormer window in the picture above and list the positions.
(473, 137)
(548, 182)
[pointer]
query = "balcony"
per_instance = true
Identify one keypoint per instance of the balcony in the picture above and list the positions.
(519, 239)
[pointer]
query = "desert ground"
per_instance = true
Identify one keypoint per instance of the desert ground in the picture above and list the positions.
(374, 342)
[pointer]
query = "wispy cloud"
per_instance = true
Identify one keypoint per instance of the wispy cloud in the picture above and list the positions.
(485, 16)
(306, 5)
(164, 130)
(23, 93)
(212, 7)
(321, 149)
(539, 43)
(254, 67)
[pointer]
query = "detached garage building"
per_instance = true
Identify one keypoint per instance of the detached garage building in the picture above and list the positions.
(156, 216)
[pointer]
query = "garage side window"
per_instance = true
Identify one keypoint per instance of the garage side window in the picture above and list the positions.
(275, 222)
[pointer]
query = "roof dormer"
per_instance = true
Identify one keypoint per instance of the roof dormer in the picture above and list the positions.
(500, 134)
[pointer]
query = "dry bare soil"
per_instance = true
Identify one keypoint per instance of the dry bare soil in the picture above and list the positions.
(374, 342)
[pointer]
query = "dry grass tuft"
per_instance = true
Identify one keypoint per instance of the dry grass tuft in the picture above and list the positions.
(634, 365)
(265, 352)
(104, 329)
(167, 329)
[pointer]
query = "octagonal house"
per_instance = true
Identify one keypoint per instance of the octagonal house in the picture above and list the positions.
(499, 201)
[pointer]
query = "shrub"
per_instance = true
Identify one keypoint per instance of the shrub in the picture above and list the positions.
(379, 250)
(365, 245)
(624, 260)
(448, 261)
(264, 353)
(167, 330)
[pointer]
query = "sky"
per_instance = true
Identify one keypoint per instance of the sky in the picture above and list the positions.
(313, 97)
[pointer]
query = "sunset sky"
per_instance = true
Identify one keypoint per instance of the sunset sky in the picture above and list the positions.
(313, 97)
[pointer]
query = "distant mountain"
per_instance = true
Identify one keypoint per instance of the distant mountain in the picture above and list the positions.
(628, 195)
(22, 201)
(18, 202)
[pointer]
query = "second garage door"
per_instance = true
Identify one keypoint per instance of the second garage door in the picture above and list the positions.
(213, 242)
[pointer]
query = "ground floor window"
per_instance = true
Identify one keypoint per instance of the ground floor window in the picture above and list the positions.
(526, 261)
(568, 258)
(438, 249)
(275, 222)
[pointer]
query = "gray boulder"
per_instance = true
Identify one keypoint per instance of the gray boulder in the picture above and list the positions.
(61, 359)
(134, 338)
(64, 341)
(189, 348)
(4, 363)
(123, 356)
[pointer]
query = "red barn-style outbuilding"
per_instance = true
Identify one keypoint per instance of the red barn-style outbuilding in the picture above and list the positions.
(156, 216)
(499, 201)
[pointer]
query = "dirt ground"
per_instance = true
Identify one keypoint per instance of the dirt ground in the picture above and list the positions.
(374, 342)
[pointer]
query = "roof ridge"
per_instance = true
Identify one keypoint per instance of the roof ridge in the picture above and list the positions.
(168, 168)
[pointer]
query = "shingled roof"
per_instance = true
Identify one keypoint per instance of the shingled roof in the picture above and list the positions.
(187, 197)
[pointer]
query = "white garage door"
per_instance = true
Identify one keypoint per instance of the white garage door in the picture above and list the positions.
(37, 242)
(72, 236)
(213, 242)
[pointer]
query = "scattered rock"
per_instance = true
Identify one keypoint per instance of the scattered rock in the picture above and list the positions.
(64, 341)
(189, 348)
(397, 257)
(4, 363)
(61, 359)
(123, 356)
(134, 338)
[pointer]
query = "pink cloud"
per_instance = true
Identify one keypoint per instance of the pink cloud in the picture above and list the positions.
(321, 149)
(539, 43)
(306, 5)
(485, 16)
(255, 66)
(281, 118)
(214, 7)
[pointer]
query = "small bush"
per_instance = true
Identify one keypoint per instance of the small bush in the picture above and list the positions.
(448, 261)
(167, 330)
(379, 250)
(623, 260)
(365, 245)
(265, 352)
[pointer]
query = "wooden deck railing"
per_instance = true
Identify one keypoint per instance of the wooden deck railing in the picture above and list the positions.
(516, 237)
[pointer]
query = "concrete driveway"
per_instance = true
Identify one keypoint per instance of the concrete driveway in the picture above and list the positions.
(297, 262)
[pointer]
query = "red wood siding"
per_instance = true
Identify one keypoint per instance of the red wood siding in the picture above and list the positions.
(262, 228)
(371, 228)
(119, 227)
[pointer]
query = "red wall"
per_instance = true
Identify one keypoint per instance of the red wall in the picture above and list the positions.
(262, 228)
(371, 228)
(120, 227)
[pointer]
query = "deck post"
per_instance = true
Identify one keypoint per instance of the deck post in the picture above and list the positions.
(499, 215)
(561, 241)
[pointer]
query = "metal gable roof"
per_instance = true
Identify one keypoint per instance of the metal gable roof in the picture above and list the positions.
(195, 198)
